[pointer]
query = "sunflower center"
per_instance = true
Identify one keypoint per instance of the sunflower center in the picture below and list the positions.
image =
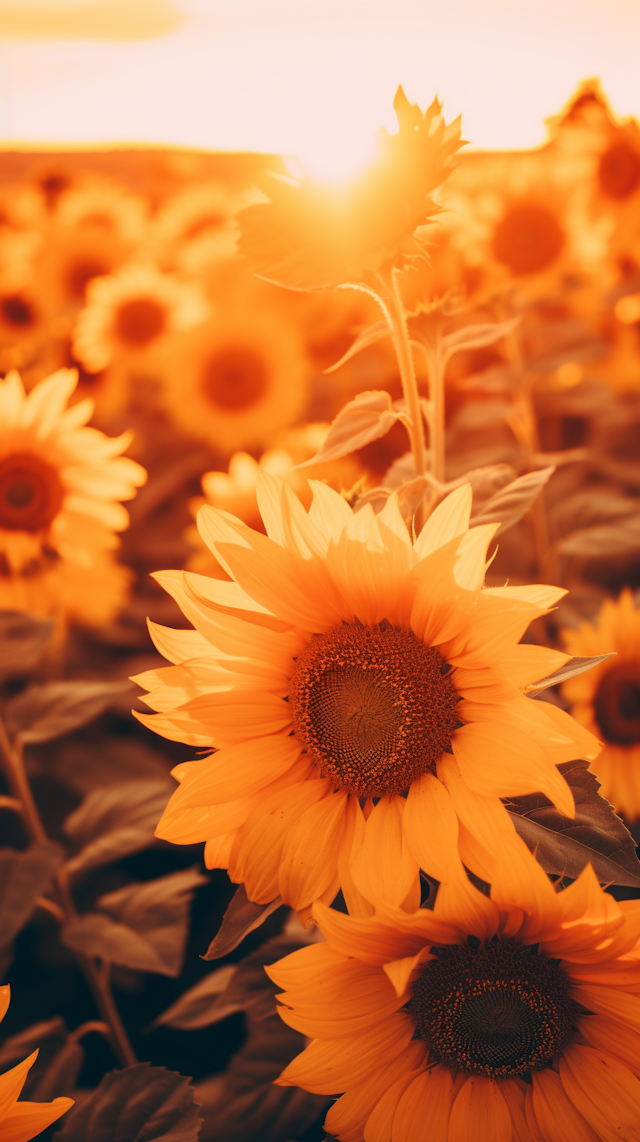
(234, 377)
(617, 704)
(31, 493)
(619, 171)
(373, 706)
(17, 311)
(528, 238)
(200, 226)
(140, 320)
(498, 1009)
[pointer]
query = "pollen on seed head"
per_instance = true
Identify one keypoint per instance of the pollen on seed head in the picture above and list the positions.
(497, 1009)
(373, 706)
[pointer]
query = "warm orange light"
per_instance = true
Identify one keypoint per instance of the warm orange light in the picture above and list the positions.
(627, 309)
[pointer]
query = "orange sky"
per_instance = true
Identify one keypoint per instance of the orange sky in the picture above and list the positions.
(313, 77)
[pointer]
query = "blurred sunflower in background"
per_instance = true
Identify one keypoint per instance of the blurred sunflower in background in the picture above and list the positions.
(346, 666)
(607, 699)
(61, 484)
(237, 379)
(514, 1022)
(132, 313)
(196, 227)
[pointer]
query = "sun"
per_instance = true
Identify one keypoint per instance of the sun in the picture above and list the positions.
(332, 159)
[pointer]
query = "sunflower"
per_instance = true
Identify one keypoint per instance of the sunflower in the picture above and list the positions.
(509, 1019)
(197, 226)
(103, 206)
(131, 312)
(20, 1121)
(236, 381)
(60, 482)
(511, 216)
(362, 692)
(311, 236)
(607, 699)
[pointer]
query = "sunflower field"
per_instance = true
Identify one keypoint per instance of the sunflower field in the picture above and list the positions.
(320, 641)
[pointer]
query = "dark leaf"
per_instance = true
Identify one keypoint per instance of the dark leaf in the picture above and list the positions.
(235, 987)
(365, 418)
(591, 507)
(244, 1104)
(23, 639)
(138, 1104)
(606, 541)
(23, 877)
(47, 711)
(109, 761)
(564, 845)
(242, 916)
(57, 1066)
(141, 926)
(510, 504)
(114, 822)
(369, 336)
(573, 667)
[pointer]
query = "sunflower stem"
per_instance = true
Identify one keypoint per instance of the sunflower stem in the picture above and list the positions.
(402, 345)
(95, 972)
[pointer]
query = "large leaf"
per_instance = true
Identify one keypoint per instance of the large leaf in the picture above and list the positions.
(365, 418)
(139, 1104)
(112, 823)
(57, 1066)
(235, 987)
(23, 639)
(242, 916)
(509, 504)
(565, 845)
(43, 712)
(570, 669)
(23, 877)
(605, 541)
(141, 926)
(243, 1103)
(476, 336)
(369, 336)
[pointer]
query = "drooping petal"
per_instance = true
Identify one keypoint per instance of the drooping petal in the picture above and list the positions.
(385, 869)
(605, 1092)
(26, 1119)
(480, 1112)
(424, 1110)
(379, 1124)
(556, 1115)
(311, 849)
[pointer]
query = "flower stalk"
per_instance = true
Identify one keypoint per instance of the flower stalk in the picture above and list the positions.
(394, 310)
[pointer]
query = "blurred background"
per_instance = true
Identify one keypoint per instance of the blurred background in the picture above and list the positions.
(133, 132)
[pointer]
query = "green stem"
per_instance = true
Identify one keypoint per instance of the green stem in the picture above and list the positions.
(436, 394)
(95, 972)
(402, 345)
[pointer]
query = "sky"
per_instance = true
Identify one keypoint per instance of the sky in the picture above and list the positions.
(314, 78)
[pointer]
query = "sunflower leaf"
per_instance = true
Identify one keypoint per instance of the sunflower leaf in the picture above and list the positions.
(369, 336)
(114, 822)
(565, 845)
(571, 668)
(367, 417)
(510, 504)
(23, 639)
(140, 1103)
(140, 926)
(242, 916)
(23, 877)
(607, 540)
(52, 709)
(477, 336)
(235, 987)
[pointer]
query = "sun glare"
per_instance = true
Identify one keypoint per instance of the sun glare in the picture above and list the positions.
(333, 160)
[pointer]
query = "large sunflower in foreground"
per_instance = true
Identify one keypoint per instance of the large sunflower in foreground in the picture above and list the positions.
(513, 1022)
(21, 1121)
(311, 236)
(362, 693)
(607, 699)
(60, 483)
